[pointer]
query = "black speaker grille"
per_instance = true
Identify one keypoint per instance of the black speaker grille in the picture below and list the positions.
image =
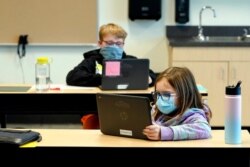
(145, 9)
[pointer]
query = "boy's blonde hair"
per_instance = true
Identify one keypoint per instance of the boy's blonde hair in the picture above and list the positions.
(112, 29)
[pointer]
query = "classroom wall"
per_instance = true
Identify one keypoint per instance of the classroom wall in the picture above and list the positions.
(146, 38)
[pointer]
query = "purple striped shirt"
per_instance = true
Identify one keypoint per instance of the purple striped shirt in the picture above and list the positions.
(193, 124)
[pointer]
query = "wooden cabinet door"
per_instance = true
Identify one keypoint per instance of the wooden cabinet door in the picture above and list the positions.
(214, 77)
(239, 71)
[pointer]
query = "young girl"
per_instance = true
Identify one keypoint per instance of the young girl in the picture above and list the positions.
(178, 113)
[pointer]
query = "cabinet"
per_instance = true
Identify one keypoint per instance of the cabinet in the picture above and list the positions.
(215, 68)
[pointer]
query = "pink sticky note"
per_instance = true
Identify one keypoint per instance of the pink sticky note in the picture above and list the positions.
(113, 68)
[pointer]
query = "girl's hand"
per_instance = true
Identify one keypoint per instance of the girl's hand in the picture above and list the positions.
(153, 132)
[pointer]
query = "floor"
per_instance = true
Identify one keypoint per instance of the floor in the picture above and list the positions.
(44, 121)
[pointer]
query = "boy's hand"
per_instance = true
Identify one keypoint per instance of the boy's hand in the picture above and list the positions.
(149, 80)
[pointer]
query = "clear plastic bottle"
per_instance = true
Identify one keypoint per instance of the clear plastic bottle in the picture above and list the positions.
(42, 74)
(233, 114)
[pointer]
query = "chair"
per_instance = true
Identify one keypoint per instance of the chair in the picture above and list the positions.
(90, 121)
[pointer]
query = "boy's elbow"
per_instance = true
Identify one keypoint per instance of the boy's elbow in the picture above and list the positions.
(70, 81)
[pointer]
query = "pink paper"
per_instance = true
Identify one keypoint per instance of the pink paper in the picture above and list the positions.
(113, 68)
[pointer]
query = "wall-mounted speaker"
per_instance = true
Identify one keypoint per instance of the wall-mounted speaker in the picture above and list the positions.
(145, 9)
(182, 11)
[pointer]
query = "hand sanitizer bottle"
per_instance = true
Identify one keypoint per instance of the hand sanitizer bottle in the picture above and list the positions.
(42, 74)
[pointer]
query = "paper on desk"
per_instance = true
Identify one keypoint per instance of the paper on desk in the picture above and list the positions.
(66, 87)
(201, 88)
(29, 145)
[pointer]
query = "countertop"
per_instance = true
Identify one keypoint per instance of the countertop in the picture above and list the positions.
(219, 36)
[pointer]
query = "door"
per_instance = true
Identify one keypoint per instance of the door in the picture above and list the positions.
(239, 71)
(214, 77)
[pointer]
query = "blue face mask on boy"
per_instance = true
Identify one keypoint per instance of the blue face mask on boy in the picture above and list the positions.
(166, 106)
(111, 52)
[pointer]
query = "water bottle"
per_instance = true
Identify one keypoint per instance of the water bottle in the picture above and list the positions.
(233, 114)
(42, 74)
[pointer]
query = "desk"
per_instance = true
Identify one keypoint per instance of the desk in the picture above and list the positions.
(72, 100)
(94, 138)
(67, 100)
(92, 146)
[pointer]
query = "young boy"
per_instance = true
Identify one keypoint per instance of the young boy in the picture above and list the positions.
(111, 42)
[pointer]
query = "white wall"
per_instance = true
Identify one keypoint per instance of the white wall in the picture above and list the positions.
(146, 39)
(14, 70)
(229, 12)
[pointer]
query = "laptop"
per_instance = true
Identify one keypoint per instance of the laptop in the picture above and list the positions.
(14, 88)
(125, 74)
(123, 115)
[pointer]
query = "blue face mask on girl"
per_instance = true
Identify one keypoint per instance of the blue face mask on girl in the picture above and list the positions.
(166, 105)
(111, 52)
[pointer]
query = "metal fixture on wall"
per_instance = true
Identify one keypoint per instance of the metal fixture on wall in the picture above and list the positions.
(200, 29)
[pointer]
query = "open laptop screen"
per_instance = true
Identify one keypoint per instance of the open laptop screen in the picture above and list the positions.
(123, 115)
(128, 74)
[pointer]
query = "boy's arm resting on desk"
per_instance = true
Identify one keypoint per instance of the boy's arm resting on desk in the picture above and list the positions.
(84, 74)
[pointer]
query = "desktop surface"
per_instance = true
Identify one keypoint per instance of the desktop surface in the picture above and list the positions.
(94, 138)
